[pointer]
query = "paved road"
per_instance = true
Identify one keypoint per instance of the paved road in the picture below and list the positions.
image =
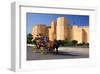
(64, 53)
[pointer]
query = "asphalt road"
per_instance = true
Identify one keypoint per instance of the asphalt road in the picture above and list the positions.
(64, 53)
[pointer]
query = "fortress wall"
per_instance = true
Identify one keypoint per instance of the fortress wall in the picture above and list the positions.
(61, 28)
(86, 34)
(39, 29)
(60, 33)
(34, 31)
(53, 26)
(77, 34)
(81, 34)
(52, 35)
(69, 31)
(52, 31)
(66, 32)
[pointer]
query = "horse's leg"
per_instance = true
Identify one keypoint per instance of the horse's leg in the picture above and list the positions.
(37, 45)
(47, 49)
(56, 50)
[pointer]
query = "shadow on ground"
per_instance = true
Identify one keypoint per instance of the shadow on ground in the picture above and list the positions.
(61, 55)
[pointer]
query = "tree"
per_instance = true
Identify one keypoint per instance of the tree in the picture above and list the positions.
(74, 42)
(29, 38)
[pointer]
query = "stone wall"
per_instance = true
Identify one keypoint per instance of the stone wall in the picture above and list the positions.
(60, 30)
(81, 34)
(39, 29)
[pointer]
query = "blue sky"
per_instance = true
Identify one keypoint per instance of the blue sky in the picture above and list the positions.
(37, 18)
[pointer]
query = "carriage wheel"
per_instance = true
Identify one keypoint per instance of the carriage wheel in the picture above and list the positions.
(33, 49)
(42, 50)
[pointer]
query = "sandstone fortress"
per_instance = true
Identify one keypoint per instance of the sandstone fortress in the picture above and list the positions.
(61, 30)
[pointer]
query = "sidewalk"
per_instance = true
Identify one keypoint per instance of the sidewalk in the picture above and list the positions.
(30, 45)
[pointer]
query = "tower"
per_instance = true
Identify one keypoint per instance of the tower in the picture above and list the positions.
(62, 28)
(52, 31)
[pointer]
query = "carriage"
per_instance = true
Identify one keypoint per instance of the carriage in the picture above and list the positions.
(45, 46)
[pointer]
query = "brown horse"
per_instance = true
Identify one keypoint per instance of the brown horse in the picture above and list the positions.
(53, 46)
(49, 46)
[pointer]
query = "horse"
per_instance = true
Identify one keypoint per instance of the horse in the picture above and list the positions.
(47, 46)
(53, 46)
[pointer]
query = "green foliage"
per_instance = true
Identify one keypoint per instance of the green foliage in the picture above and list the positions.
(83, 44)
(80, 44)
(67, 42)
(87, 44)
(29, 38)
(64, 42)
(74, 42)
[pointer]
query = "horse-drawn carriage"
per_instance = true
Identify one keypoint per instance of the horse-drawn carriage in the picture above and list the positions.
(45, 46)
